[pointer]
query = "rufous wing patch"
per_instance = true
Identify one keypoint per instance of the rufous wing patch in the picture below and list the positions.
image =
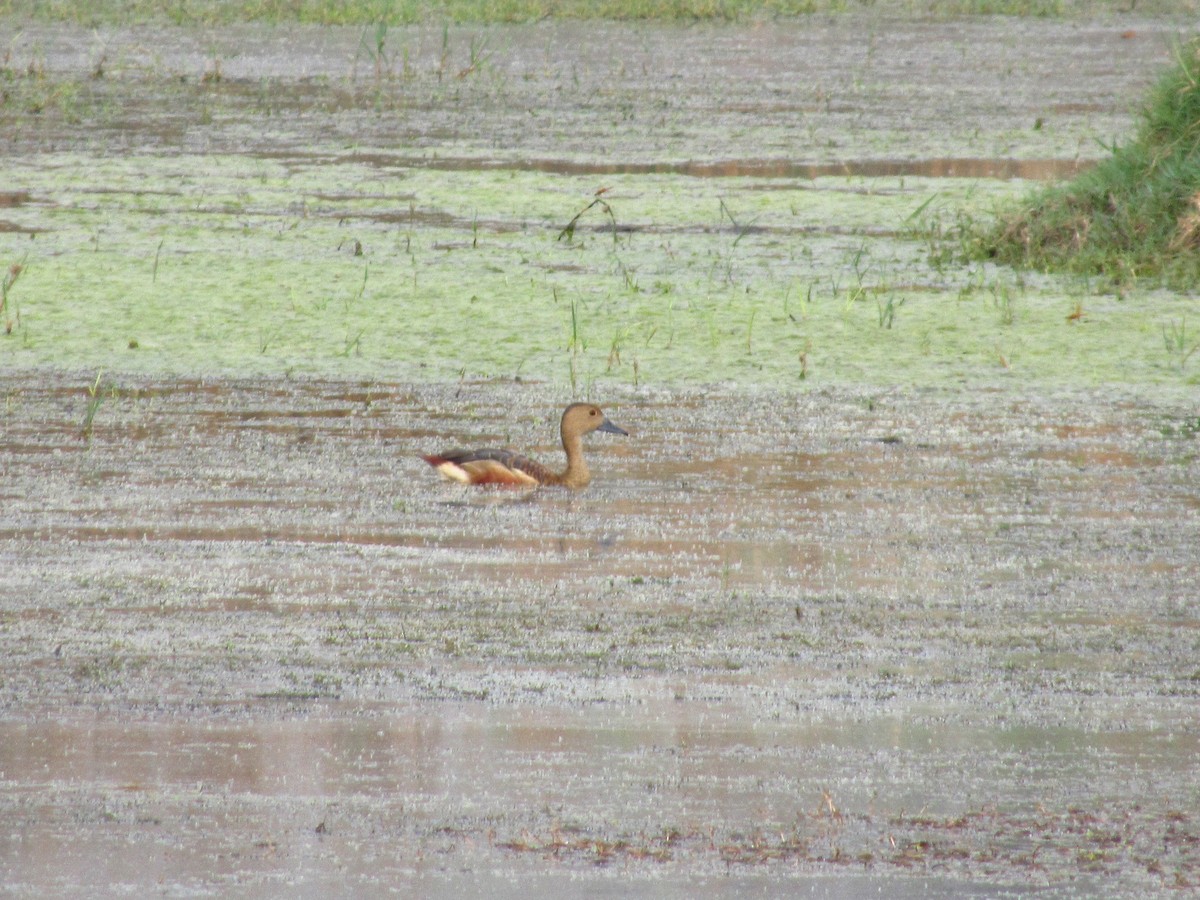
(489, 467)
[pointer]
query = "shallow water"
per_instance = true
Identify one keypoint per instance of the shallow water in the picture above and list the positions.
(823, 641)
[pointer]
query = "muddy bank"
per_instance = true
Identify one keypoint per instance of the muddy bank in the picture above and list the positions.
(821, 642)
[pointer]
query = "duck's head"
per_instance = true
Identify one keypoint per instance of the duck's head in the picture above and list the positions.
(584, 418)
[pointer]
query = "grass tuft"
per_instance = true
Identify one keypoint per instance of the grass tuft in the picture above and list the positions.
(1134, 216)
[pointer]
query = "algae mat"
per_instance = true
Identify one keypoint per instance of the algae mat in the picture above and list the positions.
(903, 599)
(305, 202)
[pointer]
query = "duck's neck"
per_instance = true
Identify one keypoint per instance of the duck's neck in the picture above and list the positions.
(576, 474)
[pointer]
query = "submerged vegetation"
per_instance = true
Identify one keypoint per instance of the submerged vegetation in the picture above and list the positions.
(411, 12)
(1136, 215)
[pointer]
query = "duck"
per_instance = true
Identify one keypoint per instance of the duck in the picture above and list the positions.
(506, 467)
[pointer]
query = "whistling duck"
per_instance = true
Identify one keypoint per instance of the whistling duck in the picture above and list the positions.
(509, 468)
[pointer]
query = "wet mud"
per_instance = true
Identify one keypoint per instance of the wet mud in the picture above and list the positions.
(815, 642)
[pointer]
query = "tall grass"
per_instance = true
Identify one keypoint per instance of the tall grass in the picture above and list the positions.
(1135, 215)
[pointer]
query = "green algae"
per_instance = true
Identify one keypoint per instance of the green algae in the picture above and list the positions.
(245, 202)
(338, 265)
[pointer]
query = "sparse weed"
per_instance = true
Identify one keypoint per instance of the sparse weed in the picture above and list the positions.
(859, 290)
(1180, 345)
(353, 344)
(348, 302)
(627, 275)
(1185, 429)
(444, 57)
(975, 282)
(373, 43)
(95, 398)
(212, 71)
(1002, 300)
(919, 225)
(266, 337)
(154, 269)
(887, 311)
(741, 229)
(575, 344)
(614, 350)
(478, 55)
(568, 230)
(805, 304)
(10, 317)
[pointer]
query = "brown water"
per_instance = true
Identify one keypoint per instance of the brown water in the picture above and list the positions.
(815, 642)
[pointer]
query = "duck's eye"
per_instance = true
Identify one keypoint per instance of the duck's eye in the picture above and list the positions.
(592, 413)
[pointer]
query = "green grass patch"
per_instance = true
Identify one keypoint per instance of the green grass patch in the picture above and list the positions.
(1136, 215)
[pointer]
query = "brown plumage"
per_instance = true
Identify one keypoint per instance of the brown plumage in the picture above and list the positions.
(509, 468)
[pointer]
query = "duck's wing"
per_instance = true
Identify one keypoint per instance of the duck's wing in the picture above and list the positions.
(490, 467)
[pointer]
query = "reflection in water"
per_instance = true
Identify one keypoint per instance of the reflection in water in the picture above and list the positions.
(457, 779)
(338, 751)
